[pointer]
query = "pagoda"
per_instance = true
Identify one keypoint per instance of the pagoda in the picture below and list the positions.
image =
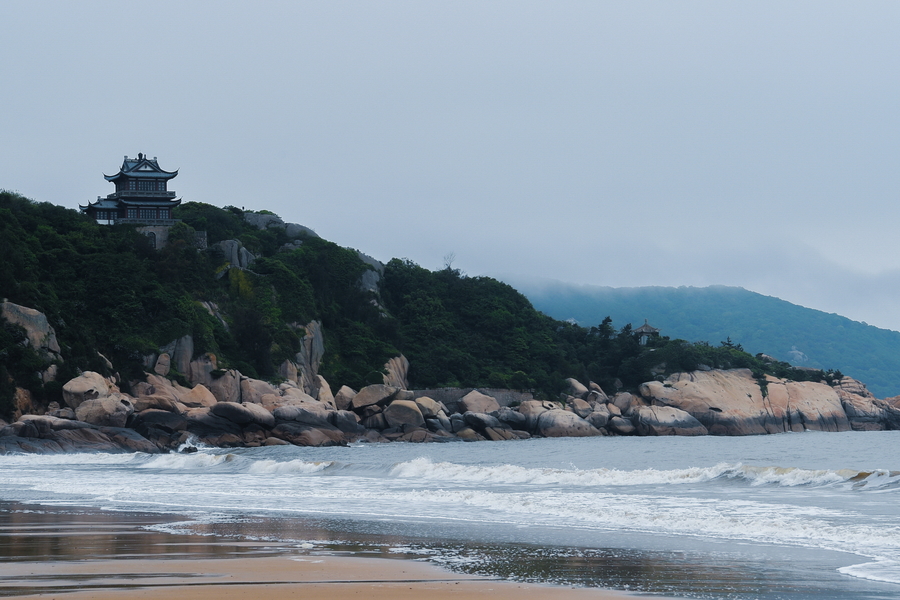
(141, 196)
(645, 332)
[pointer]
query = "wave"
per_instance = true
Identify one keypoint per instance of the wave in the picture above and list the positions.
(424, 468)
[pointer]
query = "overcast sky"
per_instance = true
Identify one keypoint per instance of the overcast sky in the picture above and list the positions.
(610, 143)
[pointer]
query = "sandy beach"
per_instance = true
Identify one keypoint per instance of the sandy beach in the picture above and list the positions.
(87, 554)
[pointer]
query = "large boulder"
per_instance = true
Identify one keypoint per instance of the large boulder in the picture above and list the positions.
(305, 435)
(429, 408)
(403, 413)
(734, 403)
(41, 336)
(666, 420)
(87, 386)
(325, 396)
(198, 397)
(599, 417)
(533, 409)
(513, 418)
(252, 390)
(344, 398)
(373, 394)
(243, 414)
(227, 386)
(621, 425)
(397, 370)
(309, 414)
(346, 420)
(562, 423)
(109, 411)
(477, 402)
(481, 421)
(161, 419)
(576, 388)
(202, 423)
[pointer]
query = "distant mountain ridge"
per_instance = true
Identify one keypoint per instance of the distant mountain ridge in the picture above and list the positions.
(799, 335)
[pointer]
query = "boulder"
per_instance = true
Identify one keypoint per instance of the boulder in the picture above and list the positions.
(325, 396)
(305, 435)
(198, 397)
(309, 414)
(467, 434)
(227, 387)
(532, 409)
(403, 413)
(252, 390)
(200, 370)
(581, 407)
(499, 435)
(203, 424)
(397, 370)
(243, 414)
(375, 421)
(41, 336)
(576, 388)
(87, 386)
(110, 411)
(373, 394)
(428, 407)
(162, 419)
(599, 417)
(142, 403)
(346, 420)
(626, 402)
(666, 420)
(733, 402)
(562, 423)
(481, 421)
(512, 418)
(344, 397)
(417, 436)
(477, 402)
(621, 425)
(163, 364)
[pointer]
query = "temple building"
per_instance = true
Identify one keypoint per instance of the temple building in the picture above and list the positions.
(141, 195)
(645, 332)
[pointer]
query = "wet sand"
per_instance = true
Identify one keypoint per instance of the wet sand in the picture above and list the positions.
(80, 554)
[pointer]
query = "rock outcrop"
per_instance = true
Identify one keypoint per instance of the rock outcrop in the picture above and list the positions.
(735, 403)
(41, 336)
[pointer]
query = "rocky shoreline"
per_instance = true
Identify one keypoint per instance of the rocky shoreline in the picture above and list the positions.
(223, 408)
(164, 416)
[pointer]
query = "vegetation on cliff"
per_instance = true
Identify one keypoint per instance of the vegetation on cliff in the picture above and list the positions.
(106, 291)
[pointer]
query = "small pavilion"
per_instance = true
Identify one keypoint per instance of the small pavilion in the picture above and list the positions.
(645, 332)
(141, 196)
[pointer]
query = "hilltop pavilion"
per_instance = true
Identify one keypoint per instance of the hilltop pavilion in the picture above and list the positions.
(645, 332)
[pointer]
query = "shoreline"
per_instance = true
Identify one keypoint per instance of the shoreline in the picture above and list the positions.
(83, 553)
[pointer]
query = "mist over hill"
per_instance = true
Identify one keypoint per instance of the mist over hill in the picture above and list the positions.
(799, 335)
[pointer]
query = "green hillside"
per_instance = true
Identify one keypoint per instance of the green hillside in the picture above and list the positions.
(107, 292)
(801, 336)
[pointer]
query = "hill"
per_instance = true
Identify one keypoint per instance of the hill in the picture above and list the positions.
(792, 333)
(254, 294)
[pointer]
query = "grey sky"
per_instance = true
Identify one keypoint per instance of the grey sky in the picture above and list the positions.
(627, 143)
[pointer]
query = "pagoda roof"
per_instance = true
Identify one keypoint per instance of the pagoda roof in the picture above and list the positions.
(141, 167)
(646, 328)
(101, 203)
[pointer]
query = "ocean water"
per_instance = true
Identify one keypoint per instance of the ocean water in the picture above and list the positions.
(791, 516)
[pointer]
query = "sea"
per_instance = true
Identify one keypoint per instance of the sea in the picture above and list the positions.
(788, 516)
